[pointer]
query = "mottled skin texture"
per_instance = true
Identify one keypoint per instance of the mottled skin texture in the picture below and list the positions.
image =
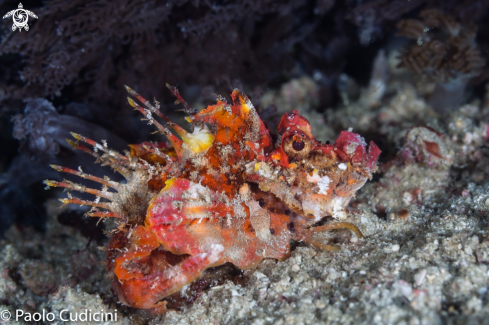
(228, 192)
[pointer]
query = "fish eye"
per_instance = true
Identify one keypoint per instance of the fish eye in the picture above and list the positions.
(298, 145)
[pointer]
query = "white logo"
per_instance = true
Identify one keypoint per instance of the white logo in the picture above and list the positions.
(20, 17)
(5, 316)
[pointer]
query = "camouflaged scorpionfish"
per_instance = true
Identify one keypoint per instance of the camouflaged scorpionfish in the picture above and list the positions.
(227, 192)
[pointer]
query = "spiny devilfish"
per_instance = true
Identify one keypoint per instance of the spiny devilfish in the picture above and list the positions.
(230, 191)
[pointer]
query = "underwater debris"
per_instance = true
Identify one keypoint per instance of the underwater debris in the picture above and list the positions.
(425, 145)
(223, 193)
(419, 174)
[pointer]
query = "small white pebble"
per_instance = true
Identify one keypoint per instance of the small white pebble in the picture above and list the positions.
(295, 268)
(395, 247)
(362, 272)
(420, 276)
(342, 166)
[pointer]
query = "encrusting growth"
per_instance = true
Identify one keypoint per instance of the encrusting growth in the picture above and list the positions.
(226, 192)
